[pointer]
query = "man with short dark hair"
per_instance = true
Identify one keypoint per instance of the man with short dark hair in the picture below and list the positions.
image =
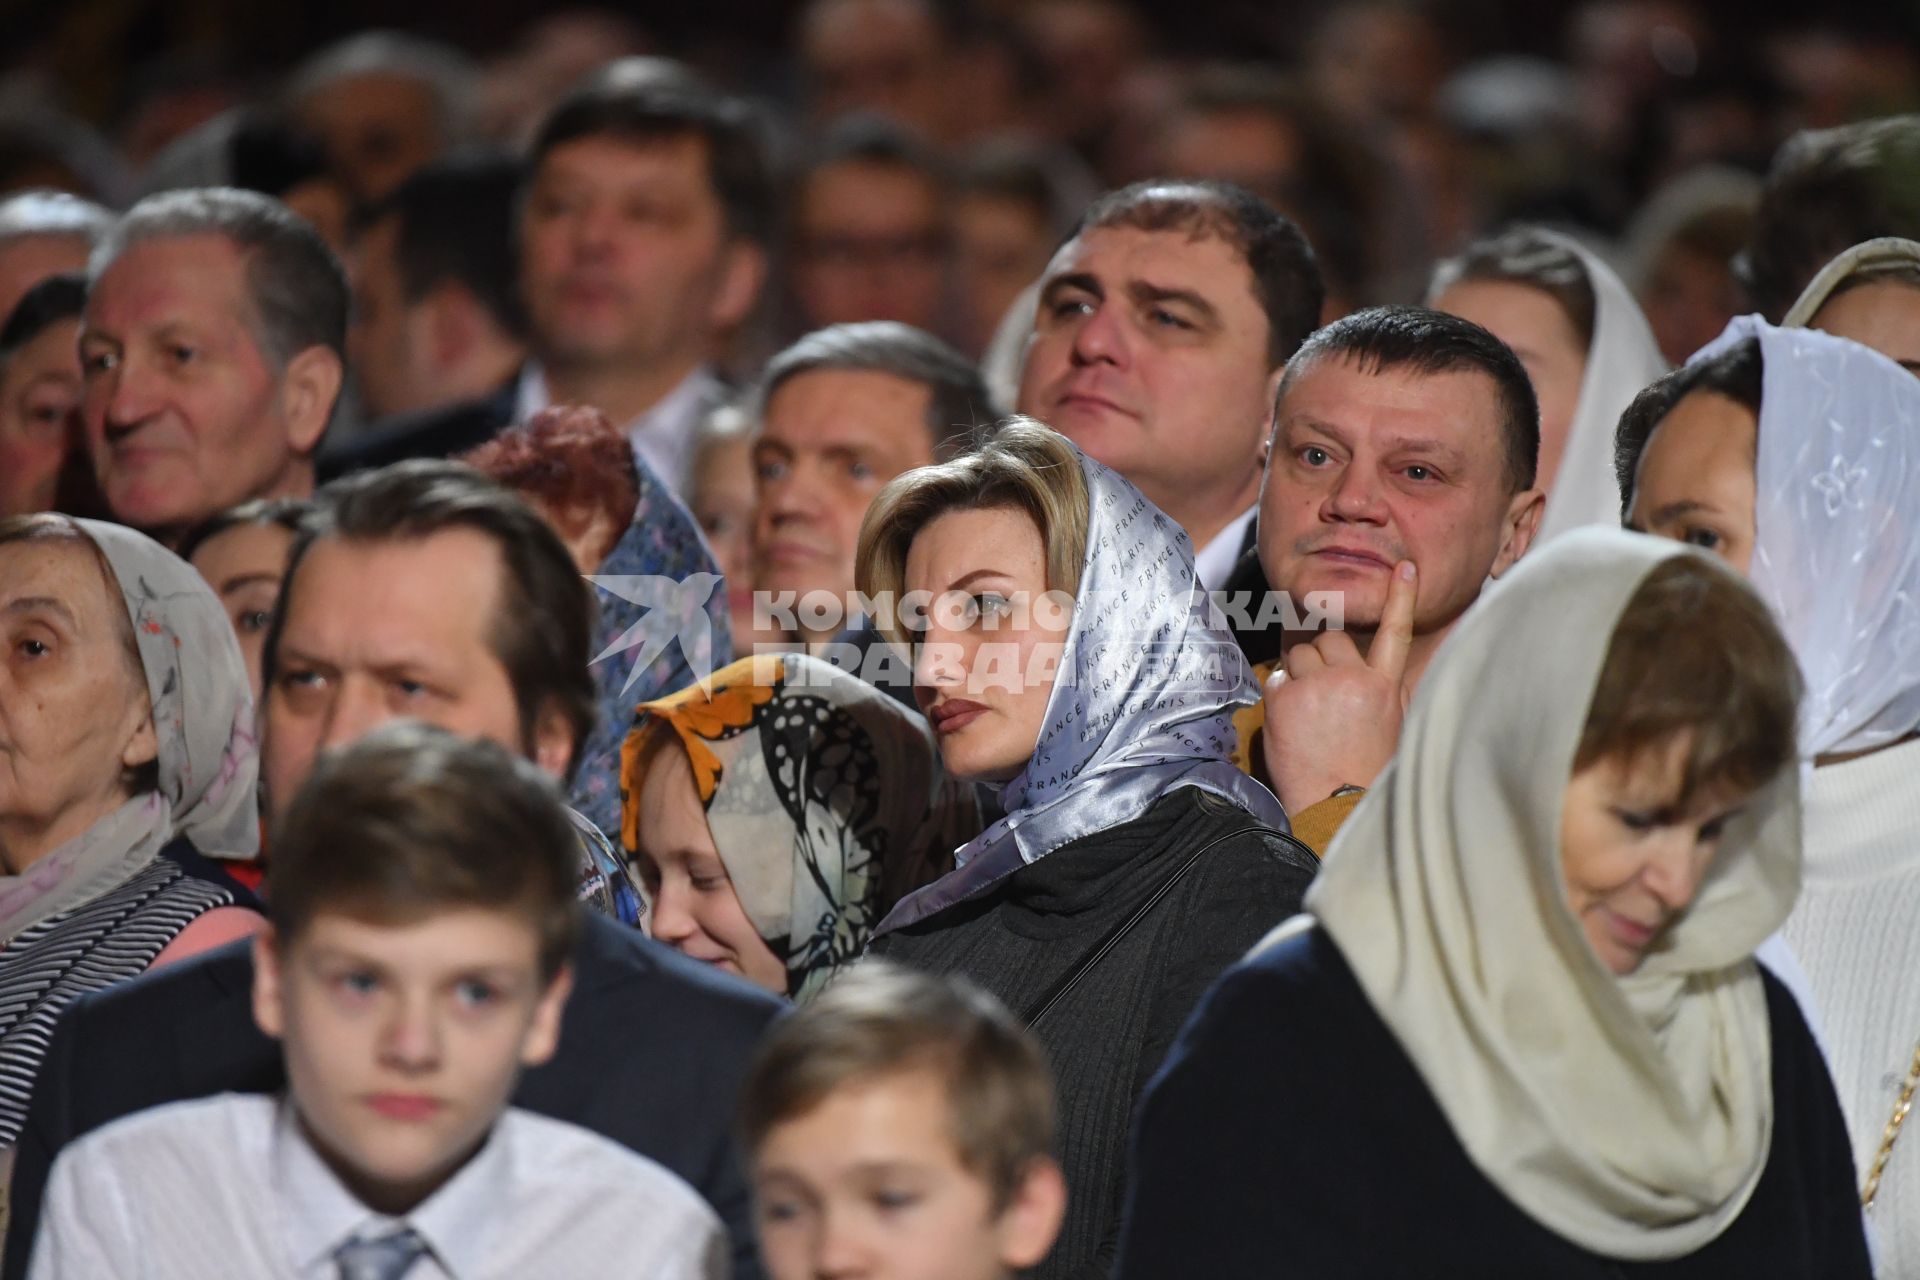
(212, 353)
(1162, 329)
(439, 335)
(841, 412)
(1828, 190)
(643, 234)
(427, 591)
(1400, 478)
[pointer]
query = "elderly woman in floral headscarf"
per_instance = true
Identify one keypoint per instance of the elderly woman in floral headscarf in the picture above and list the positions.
(127, 764)
(777, 810)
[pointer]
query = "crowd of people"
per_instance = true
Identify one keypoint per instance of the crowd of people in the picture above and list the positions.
(1058, 662)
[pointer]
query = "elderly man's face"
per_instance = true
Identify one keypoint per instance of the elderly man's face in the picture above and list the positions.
(185, 415)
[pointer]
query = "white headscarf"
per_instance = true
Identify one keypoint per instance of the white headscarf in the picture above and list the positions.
(1837, 529)
(1868, 255)
(208, 750)
(1143, 703)
(1628, 1115)
(1621, 360)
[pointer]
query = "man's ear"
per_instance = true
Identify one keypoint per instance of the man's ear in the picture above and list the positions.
(743, 270)
(552, 746)
(1518, 528)
(1266, 423)
(269, 1009)
(1030, 1223)
(308, 390)
(543, 1034)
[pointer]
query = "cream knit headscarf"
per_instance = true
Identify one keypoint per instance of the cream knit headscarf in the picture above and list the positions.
(1631, 1116)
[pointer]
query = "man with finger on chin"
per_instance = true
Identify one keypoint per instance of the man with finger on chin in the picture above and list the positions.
(1400, 477)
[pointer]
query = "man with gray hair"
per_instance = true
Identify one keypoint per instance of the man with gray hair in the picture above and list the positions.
(44, 233)
(383, 104)
(841, 412)
(211, 353)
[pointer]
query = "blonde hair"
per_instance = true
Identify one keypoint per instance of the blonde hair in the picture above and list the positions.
(1021, 465)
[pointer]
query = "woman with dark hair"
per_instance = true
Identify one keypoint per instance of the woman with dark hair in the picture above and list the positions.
(1586, 347)
(1064, 658)
(43, 460)
(242, 553)
(1520, 1031)
(1794, 456)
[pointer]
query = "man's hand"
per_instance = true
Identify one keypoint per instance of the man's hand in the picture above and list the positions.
(1332, 716)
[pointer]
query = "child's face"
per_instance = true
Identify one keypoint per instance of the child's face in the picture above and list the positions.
(868, 1184)
(403, 1042)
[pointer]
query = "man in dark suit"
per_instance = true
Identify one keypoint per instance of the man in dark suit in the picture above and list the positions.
(425, 590)
(438, 337)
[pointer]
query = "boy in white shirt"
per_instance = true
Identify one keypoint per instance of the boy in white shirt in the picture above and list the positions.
(423, 904)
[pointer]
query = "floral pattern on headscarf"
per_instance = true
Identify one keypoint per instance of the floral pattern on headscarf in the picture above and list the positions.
(1143, 702)
(825, 798)
(208, 751)
(663, 541)
(1835, 553)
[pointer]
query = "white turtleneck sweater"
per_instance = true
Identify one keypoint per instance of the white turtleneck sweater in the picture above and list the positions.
(1856, 930)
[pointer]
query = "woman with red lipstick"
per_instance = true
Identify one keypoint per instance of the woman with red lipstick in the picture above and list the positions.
(1064, 659)
(1523, 1013)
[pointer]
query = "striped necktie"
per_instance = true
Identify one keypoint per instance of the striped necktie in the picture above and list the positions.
(385, 1257)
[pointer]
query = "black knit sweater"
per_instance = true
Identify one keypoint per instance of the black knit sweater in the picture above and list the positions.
(1107, 1037)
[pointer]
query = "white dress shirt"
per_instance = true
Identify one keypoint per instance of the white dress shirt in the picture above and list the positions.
(1213, 563)
(229, 1187)
(663, 436)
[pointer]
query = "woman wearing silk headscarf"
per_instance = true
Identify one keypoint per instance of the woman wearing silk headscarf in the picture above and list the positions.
(128, 761)
(1586, 347)
(776, 810)
(1520, 1032)
(1064, 659)
(1795, 456)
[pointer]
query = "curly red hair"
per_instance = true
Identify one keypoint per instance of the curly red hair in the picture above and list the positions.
(570, 462)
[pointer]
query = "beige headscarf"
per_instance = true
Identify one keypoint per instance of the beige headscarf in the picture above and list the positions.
(1622, 359)
(1868, 258)
(1630, 1116)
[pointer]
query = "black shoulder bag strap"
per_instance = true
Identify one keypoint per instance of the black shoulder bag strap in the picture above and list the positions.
(1098, 952)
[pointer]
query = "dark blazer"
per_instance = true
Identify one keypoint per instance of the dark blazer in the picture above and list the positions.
(652, 1052)
(1289, 1134)
(1250, 580)
(430, 433)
